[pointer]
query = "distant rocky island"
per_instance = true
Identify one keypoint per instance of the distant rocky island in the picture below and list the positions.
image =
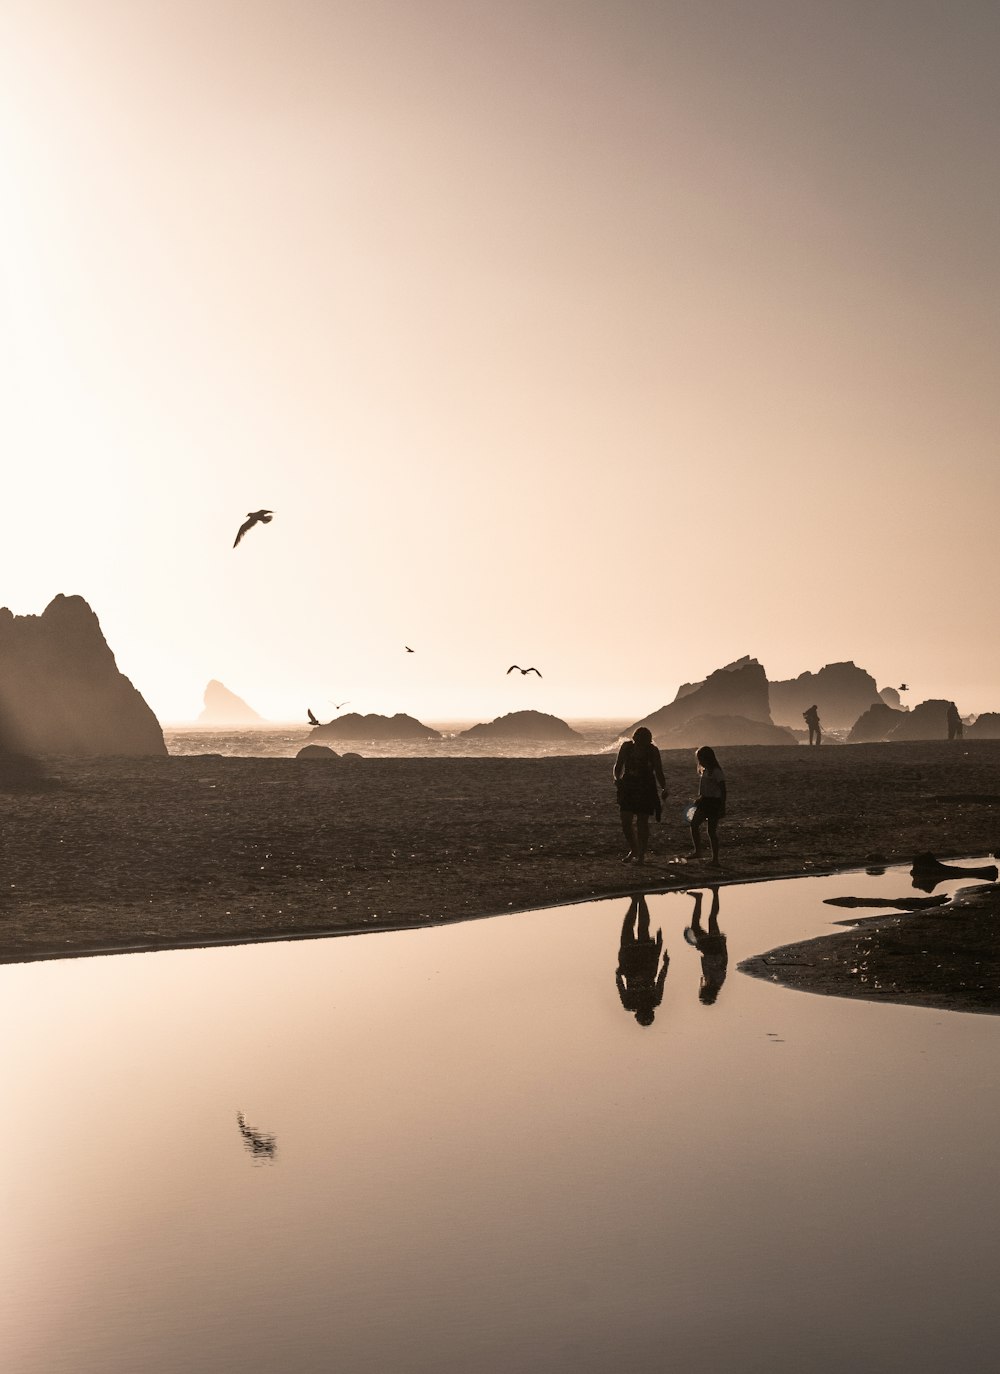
(528, 725)
(223, 707)
(61, 691)
(373, 727)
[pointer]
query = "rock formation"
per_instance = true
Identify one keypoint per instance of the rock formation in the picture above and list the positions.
(738, 690)
(61, 691)
(841, 691)
(530, 725)
(986, 726)
(223, 707)
(877, 723)
(373, 727)
(929, 720)
(722, 731)
(891, 697)
(321, 752)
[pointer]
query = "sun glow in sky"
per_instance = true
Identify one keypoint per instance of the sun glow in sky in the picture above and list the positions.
(620, 339)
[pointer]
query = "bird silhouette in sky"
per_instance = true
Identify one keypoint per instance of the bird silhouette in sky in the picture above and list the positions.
(523, 671)
(312, 718)
(902, 687)
(338, 705)
(254, 517)
(408, 649)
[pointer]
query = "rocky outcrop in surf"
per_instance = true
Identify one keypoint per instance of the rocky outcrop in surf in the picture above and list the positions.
(738, 691)
(527, 725)
(986, 726)
(223, 707)
(723, 730)
(841, 692)
(929, 720)
(61, 691)
(373, 727)
(877, 723)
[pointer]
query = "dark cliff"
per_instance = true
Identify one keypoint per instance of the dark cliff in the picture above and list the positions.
(61, 691)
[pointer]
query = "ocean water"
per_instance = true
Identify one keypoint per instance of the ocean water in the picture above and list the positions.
(285, 741)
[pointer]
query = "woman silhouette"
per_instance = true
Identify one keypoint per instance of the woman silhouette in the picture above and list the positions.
(639, 784)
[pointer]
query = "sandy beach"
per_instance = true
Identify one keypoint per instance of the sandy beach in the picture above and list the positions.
(117, 854)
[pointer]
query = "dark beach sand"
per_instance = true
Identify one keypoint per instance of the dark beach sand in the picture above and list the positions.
(117, 854)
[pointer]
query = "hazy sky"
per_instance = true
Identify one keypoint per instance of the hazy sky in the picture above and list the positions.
(617, 338)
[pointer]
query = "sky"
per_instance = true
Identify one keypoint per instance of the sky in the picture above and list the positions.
(618, 339)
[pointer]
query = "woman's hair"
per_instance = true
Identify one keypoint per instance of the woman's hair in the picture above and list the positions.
(642, 735)
(706, 757)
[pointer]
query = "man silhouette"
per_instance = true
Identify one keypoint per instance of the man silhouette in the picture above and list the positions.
(811, 718)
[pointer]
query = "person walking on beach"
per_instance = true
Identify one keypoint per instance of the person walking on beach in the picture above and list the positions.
(811, 718)
(711, 803)
(640, 785)
(639, 977)
(711, 945)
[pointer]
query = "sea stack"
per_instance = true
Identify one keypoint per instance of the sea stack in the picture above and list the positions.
(841, 692)
(223, 707)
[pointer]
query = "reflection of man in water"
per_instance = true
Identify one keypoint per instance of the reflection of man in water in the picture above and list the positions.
(639, 985)
(811, 718)
(711, 945)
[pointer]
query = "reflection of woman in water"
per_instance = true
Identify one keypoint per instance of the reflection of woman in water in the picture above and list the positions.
(639, 784)
(639, 985)
(711, 945)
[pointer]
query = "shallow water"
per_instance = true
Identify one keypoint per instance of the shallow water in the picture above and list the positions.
(481, 1161)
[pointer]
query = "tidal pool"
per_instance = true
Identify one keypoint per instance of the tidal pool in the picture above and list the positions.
(456, 1150)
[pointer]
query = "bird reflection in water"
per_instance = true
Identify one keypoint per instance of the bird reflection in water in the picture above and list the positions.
(711, 945)
(639, 976)
(260, 1144)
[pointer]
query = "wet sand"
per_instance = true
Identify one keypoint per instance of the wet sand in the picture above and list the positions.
(117, 854)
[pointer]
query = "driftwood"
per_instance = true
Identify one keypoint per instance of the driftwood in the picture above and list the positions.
(927, 872)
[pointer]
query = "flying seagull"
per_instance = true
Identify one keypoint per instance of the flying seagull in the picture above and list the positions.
(312, 718)
(338, 705)
(408, 649)
(515, 667)
(254, 517)
(902, 687)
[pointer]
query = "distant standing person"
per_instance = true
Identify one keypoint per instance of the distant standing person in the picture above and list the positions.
(711, 803)
(811, 718)
(955, 727)
(639, 784)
